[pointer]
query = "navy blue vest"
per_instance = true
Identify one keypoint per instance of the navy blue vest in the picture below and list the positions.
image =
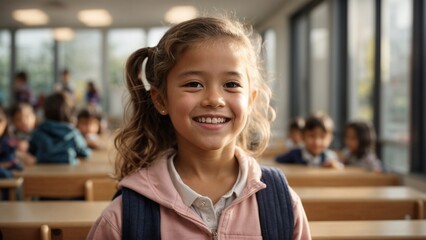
(141, 215)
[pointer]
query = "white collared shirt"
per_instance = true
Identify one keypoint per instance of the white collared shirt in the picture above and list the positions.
(203, 205)
(316, 160)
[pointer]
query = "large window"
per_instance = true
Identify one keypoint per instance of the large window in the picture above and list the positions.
(82, 58)
(35, 56)
(395, 81)
(121, 43)
(319, 62)
(361, 59)
(310, 84)
(270, 69)
(155, 34)
(299, 83)
(4, 67)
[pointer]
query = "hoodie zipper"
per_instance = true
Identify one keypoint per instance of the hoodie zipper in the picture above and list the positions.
(214, 235)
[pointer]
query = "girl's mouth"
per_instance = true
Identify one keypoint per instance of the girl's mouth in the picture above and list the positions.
(212, 120)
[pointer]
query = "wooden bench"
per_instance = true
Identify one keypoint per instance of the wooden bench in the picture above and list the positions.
(60, 180)
(102, 189)
(305, 176)
(369, 230)
(62, 219)
(12, 184)
(361, 203)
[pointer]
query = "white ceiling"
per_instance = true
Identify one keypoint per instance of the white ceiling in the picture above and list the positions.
(133, 13)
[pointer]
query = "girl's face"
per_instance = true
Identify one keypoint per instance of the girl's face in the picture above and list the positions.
(25, 120)
(208, 96)
(351, 139)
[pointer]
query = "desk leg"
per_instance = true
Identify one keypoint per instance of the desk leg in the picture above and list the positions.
(12, 194)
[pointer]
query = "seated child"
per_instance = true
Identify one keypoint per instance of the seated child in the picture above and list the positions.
(317, 135)
(295, 129)
(56, 140)
(23, 120)
(360, 141)
(8, 160)
(89, 124)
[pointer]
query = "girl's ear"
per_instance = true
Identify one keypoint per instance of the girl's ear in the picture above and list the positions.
(252, 98)
(158, 100)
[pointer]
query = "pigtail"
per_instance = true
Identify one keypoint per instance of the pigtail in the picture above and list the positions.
(145, 132)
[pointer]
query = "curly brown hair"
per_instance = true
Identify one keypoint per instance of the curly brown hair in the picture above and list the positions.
(146, 134)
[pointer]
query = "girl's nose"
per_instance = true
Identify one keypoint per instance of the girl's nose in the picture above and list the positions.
(213, 99)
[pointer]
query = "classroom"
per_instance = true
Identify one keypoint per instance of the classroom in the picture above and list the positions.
(238, 119)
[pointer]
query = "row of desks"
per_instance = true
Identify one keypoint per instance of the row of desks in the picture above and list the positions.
(305, 176)
(332, 200)
(68, 180)
(32, 215)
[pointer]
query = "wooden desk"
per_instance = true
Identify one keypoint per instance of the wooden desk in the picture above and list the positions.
(60, 180)
(12, 184)
(361, 203)
(368, 230)
(22, 220)
(305, 176)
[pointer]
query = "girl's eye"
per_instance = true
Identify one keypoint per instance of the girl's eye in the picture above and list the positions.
(232, 85)
(193, 85)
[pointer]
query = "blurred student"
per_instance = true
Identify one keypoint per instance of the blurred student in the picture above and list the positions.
(56, 140)
(317, 136)
(65, 85)
(295, 133)
(21, 89)
(360, 141)
(23, 122)
(92, 94)
(8, 160)
(89, 124)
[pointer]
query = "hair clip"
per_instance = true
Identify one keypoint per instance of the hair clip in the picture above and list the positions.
(143, 75)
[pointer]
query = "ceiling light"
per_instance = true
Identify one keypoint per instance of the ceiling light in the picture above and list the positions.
(180, 14)
(63, 34)
(30, 16)
(95, 17)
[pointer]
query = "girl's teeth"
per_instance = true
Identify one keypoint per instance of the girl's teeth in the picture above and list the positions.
(211, 120)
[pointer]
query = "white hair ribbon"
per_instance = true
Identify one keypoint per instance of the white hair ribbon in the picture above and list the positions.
(143, 75)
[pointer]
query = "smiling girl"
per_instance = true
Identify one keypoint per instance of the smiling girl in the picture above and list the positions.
(198, 114)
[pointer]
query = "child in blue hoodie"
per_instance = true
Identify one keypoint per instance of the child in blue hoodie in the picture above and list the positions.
(56, 140)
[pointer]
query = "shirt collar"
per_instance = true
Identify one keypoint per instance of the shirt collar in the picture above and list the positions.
(189, 196)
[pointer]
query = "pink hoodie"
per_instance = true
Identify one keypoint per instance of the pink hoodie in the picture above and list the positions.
(240, 220)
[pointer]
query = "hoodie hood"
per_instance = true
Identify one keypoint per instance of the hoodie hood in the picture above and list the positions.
(57, 130)
(155, 183)
(57, 142)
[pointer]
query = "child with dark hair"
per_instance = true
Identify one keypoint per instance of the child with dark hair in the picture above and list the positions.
(317, 136)
(89, 124)
(360, 141)
(23, 122)
(295, 130)
(56, 140)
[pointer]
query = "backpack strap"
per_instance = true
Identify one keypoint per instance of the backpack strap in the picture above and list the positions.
(274, 202)
(275, 206)
(141, 217)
